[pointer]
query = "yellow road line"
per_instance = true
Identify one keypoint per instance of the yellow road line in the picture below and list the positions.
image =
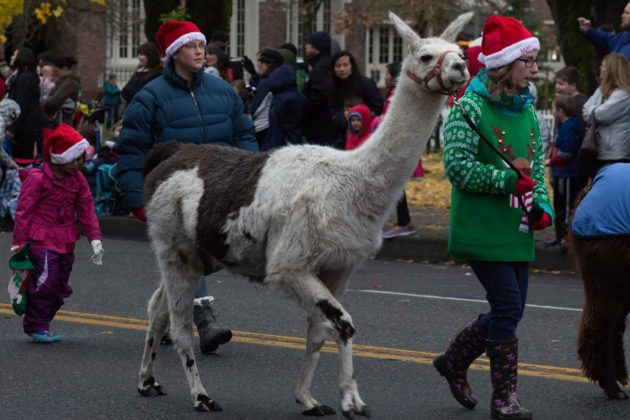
(359, 350)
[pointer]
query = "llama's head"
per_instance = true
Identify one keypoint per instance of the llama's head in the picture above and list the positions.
(436, 64)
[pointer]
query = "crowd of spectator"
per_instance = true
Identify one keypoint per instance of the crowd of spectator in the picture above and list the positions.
(321, 100)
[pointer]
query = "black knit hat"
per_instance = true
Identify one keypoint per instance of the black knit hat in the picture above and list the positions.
(271, 55)
(290, 47)
(321, 41)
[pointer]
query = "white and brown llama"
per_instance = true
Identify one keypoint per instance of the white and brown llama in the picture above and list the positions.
(301, 218)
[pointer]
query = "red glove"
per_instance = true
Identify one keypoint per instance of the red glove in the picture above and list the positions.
(543, 222)
(558, 162)
(139, 214)
(524, 184)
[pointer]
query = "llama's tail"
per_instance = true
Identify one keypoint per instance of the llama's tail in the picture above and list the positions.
(159, 154)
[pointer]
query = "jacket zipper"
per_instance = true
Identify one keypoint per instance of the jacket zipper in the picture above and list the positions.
(203, 130)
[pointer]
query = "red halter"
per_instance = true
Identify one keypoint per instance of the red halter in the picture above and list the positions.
(436, 72)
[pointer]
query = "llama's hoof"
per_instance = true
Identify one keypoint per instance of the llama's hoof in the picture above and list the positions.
(150, 388)
(352, 414)
(205, 403)
(319, 411)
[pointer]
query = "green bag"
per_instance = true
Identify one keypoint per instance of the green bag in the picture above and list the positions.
(22, 268)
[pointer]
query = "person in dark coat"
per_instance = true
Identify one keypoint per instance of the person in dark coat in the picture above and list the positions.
(190, 106)
(350, 88)
(318, 125)
(288, 107)
(149, 67)
(24, 90)
(268, 61)
(61, 105)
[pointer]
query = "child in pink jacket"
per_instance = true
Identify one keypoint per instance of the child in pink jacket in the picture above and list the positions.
(49, 199)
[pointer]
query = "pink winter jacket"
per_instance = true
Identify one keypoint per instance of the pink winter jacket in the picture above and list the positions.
(46, 209)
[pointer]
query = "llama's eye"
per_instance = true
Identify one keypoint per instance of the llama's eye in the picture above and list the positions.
(426, 58)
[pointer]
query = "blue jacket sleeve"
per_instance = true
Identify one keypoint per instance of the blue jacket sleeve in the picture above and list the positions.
(136, 139)
(602, 40)
(243, 137)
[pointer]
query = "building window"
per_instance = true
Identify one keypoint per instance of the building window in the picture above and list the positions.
(296, 29)
(384, 46)
(326, 16)
(240, 28)
(130, 33)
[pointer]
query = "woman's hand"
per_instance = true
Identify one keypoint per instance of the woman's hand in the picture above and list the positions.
(584, 24)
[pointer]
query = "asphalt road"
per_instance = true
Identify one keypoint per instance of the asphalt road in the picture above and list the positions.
(404, 313)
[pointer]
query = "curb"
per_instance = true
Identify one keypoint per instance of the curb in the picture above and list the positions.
(427, 246)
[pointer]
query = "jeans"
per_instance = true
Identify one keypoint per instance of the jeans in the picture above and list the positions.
(202, 289)
(506, 290)
(402, 211)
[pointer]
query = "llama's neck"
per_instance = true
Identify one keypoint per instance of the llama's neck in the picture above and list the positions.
(393, 150)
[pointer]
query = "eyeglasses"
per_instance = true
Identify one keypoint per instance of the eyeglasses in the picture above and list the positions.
(195, 45)
(529, 62)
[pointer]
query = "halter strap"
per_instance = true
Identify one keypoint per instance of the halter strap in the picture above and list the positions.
(436, 72)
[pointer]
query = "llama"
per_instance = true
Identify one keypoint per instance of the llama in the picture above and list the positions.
(300, 218)
(599, 242)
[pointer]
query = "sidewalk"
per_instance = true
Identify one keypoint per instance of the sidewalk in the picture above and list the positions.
(428, 244)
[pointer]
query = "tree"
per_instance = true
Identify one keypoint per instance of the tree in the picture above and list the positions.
(208, 15)
(575, 50)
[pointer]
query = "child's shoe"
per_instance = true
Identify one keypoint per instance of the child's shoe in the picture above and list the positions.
(45, 337)
(399, 231)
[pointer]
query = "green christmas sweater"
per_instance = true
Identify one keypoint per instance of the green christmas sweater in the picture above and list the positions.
(486, 221)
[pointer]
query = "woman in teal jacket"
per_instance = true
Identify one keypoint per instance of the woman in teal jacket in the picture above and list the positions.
(189, 106)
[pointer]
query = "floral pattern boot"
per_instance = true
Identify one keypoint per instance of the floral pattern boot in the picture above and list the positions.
(504, 370)
(453, 364)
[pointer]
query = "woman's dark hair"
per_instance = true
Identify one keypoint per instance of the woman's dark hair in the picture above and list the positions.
(223, 61)
(394, 69)
(25, 60)
(154, 60)
(152, 52)
(341, 87)
(61, 62)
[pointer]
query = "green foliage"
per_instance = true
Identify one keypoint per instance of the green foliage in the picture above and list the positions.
(180, 13)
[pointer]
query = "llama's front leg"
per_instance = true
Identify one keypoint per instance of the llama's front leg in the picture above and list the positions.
(181, 308)
(317, 333)
(351, 402)
(158, 319)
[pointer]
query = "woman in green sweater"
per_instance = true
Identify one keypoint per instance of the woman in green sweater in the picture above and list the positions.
(488, 225)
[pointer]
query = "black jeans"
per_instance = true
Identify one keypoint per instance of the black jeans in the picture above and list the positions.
(402, 211)
(565, 190)
(506, 290)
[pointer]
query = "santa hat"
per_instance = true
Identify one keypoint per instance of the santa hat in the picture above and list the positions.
(63, 144)
(173, 34)
(504, 40)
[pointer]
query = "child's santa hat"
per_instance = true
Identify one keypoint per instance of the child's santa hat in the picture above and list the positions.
(173, 34)
(505, 39)
(63, 144)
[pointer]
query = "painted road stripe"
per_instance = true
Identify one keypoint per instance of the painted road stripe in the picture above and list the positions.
(297, 343)
(384, 292)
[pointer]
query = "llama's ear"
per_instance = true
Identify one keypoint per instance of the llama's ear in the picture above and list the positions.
(404, 30)
(456, 27)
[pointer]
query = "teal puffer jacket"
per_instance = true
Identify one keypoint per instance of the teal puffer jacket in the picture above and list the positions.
(166, 109)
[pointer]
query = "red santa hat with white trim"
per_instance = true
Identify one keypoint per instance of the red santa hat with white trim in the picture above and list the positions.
(63, 144)
(504, 40)
(173, 34)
